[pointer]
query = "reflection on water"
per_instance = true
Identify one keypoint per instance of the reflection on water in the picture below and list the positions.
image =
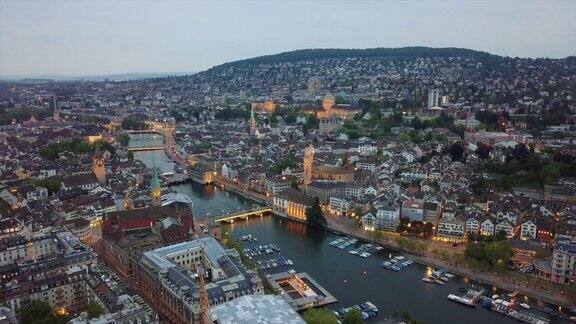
(158, 158)
(145, 140)
(294, 228)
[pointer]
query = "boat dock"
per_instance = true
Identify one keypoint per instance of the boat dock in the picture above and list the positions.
(367, 310)
(261, 249)
(397, 263)
(274, 263)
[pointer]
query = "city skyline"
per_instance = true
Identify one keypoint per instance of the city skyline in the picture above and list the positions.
(81, 39)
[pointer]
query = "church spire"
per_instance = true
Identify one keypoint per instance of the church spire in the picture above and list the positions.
(252, 122)
(155, 190)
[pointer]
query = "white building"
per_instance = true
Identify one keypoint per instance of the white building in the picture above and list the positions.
(487, 227)
(528, 230)
(340, 205)
(506, 227)
(433, 98)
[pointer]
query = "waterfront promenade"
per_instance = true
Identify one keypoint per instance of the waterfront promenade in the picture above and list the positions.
(503, 281)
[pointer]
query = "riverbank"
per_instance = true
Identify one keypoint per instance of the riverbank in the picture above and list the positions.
(506, 283)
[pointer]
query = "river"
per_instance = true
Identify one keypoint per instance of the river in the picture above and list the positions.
(351, 279)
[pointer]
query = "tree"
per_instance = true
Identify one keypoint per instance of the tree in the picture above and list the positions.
(39, 312)
(94, 309)
(314, 215)
(35, 310)
(404, 138)
(294, 185)
(483, 151)
(123, 139)
(133, 122)
(320, 316)
(456, 151)
(283, 164)
(520, 152)
(354, 316)
(494, 253)
(479, 187)
(51, 184)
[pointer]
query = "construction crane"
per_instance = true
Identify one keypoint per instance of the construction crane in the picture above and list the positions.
(205, 316)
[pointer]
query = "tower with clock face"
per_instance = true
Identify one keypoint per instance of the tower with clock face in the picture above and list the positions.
(155, 191)
(99, 169)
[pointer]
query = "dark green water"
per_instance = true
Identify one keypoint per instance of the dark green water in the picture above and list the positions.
(349, 278)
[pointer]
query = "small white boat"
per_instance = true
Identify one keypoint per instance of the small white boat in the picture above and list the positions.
(440, 282)
(353, 252)
(495, 296)
(449, 275)
(426, 279)
(524, 305)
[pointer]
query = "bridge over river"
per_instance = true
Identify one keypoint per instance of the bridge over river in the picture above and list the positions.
(243, 214)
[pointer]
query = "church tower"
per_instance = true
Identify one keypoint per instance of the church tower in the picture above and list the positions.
(308, 161)
(328, 102)
(55, 108)
(98, 166)
(155, 191)
(252, 122)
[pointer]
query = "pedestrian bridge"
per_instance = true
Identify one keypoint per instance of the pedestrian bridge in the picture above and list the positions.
(145, 148)
(144, 131)
(244, 214)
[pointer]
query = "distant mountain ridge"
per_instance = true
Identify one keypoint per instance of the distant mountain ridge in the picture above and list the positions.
(95, 78)
(380, 52)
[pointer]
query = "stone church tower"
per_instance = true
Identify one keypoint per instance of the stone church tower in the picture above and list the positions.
(328, 102)
(308, 161)
(252, 123)
(98, 166)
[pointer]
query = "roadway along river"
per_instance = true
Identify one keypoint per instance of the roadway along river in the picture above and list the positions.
(351, 279)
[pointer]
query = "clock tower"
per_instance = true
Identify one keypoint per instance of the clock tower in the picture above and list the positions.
(155, 191)
(308, 164)
(98, 166)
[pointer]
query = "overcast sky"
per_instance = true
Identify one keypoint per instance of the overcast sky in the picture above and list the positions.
(48, 37)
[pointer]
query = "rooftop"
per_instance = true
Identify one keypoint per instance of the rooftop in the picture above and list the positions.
(256, 309)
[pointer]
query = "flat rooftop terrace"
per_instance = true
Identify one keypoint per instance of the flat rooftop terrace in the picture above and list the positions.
(300, 290)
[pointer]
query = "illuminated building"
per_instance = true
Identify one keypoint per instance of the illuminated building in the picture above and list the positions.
(268, 106)
(293, 203)
(330, 108)
(324, 172)
(308, 162)
(79, 227)
(167, 277)
(155, 191)
(98, 166)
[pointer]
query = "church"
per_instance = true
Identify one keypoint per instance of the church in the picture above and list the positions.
(324, 172)
(330, 108)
